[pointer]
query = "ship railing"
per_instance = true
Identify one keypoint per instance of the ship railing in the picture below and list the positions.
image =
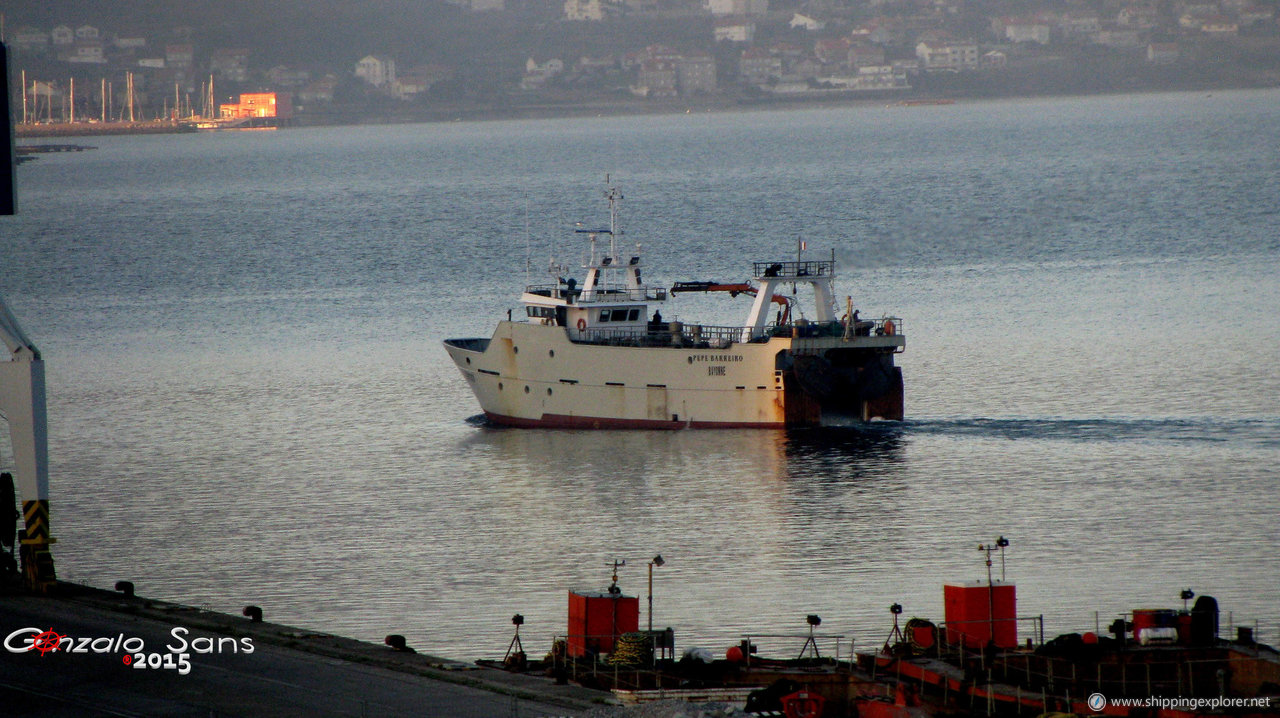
(794, 270)
(611, 293)
(665, 334)
(804, 329)
(709, 336)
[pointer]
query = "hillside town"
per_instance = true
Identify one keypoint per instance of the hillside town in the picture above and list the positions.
(693, 52)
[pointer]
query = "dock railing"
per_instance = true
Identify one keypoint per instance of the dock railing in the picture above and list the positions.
(629, 669)
(953, 639)
(809, 645)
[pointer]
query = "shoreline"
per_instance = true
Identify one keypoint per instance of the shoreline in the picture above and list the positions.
(356, 117)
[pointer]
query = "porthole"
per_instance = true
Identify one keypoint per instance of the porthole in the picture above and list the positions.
(499, 386)
(526, 389)
(551, 353)
(515, 350)
(548, 391)
(690, 360)
(468, 360)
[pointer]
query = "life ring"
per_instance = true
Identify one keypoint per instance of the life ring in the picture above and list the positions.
(889, 328)
(582, 324)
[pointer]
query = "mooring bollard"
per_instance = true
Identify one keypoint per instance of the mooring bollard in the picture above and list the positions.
(396, 641)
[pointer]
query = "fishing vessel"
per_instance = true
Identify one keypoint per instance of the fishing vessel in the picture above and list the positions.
(598, 354)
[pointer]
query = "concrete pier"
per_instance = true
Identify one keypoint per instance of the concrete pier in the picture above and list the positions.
(234, 667)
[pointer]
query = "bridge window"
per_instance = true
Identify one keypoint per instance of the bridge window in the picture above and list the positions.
(620, 315)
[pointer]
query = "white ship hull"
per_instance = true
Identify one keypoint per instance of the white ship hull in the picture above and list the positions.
(533, 375)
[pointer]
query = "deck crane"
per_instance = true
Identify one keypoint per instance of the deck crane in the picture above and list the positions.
(734, 289)
(22, 403)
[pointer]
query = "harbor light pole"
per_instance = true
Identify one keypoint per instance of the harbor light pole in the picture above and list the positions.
(657, 561)
(1000, 545)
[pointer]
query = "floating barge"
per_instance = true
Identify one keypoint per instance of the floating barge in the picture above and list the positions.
(1156, 663)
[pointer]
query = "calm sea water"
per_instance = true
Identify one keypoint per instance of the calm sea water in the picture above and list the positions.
(249, 402)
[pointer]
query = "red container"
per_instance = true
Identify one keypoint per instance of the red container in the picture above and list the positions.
(597, 619)
(802, 704)
(1147, 618)
(978, 614)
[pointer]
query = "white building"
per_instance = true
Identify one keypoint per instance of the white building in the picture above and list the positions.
(748, 8)
(1027, 31)
(1079, 23)
(536, 75)
(89, 52)
(952, 56)
(376, 70)
(871, 77)
(589, 10)
(734, 30)
(1118, 38)
(696, 74)
(129, 41)
(805, 22)
(29, 38)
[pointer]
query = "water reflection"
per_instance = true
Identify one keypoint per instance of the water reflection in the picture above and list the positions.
(844, 453)
(833, 456)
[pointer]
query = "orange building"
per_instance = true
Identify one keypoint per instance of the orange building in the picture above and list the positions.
(259, 104)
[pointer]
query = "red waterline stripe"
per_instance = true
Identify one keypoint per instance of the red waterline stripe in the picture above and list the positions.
(565, 421)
